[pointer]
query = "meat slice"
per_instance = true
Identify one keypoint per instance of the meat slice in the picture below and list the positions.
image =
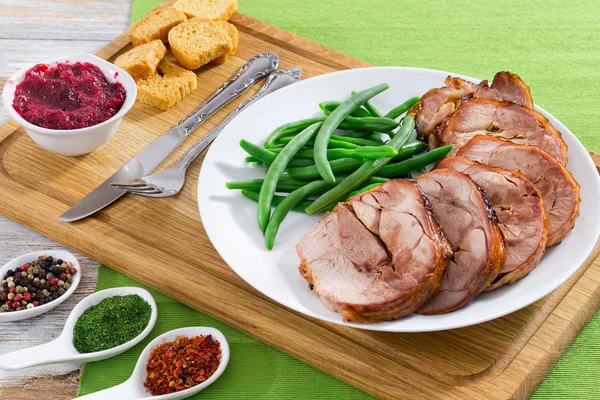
(372, 278)
(520, 212)
(560, 192)
(507, 86)
(505, 121)
(440, 103)
(470, 225)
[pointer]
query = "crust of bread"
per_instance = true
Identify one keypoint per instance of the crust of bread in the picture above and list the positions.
(167, 87)
(156, 25)
(197, 42)
(210, 9)
(141, 61)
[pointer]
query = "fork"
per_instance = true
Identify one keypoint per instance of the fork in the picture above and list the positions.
(170, 181)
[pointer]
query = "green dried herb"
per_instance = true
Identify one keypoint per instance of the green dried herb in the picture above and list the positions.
(110, 323)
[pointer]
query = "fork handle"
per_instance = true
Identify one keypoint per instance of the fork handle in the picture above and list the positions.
(255, 69)
(275, 81)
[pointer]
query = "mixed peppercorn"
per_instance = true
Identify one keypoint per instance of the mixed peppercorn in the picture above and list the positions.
(36, 283)
(182, 364)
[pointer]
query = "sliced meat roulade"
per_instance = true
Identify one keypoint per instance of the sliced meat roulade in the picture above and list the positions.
(440, 103)
(503, 120)
(507, 86)
(377, 257)
(560, 192)
(520, 212)
(469, 223)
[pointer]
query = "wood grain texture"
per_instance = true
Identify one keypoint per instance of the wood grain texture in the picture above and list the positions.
(31, 31)
(504, 358)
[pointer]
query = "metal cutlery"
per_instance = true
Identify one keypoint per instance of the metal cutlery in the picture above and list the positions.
(144, 162)
(170, 181)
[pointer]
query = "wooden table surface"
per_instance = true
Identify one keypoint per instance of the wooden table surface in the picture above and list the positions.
(32, 31)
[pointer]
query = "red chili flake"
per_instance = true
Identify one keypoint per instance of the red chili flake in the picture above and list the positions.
(181, 364)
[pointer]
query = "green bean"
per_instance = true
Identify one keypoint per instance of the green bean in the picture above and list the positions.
(299, 162)
(253, 160)
(301, 207)
(328, 106)
(373, 137)
(402, 108)
(341, 165)
(362, 174)
(366, 152)
(357, 134)
(333, 143)
(374, 112)
(264, 156)
(291, 128)
(398, 111)
(378, 179)
(371, 109)
(267, 190)
(292, 200)
(406, 166)
(410, 149)
(357, 141)
(258, 152)
(253, 195)
(331, 124)
(352, 159)
(342, 144)
(374, 152)
(349, 124)
(255, 184)
(371, 124)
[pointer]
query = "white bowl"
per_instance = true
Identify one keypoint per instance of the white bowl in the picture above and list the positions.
(74, 142)
(27, 258)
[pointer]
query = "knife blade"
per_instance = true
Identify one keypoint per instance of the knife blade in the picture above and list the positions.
(148, 159)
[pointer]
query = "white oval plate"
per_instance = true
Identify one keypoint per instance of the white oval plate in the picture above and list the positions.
(230, 219)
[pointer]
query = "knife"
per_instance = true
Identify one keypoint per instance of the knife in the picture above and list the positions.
(148, 159)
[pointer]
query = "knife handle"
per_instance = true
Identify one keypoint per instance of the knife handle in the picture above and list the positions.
(275, 81)
(255, 69)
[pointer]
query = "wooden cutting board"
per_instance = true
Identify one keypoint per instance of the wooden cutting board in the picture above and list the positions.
(162, 243)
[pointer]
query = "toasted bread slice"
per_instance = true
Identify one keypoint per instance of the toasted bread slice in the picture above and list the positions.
(199, 41)
(233, 35)
(167, 86)
(155, 25)
(210, 9)
(141, 61)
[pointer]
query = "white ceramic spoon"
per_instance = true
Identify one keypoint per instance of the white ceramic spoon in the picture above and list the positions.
(27, 258)
(133, 388)
(61, 349)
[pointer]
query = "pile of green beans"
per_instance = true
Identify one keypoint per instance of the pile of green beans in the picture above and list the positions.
(320, 161)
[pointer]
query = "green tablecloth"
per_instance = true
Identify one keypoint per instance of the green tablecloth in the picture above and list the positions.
(554, 46)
